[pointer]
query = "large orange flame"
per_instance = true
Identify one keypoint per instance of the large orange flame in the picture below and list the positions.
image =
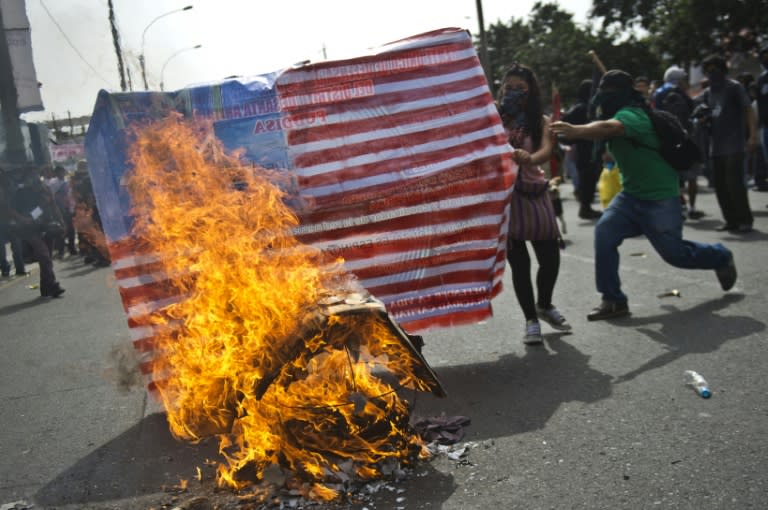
(247, 351)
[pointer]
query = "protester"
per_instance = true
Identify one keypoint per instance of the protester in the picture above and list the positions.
(761, 100)
(655, 84)
(7, 236)
(673, 97)
(733, 132)
(649, 202)
(532, 216)
(587, 162)
(701, 119)
(30, 212)
(90, 233)
(60, 189)
(643, 86)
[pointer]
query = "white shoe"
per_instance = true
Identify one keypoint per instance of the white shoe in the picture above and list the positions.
(532, 333)
(554, 318)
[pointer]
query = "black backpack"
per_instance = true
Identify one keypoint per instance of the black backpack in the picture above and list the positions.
(677, 147)
(680, 105)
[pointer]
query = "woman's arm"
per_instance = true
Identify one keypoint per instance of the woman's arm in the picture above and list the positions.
(542, 155)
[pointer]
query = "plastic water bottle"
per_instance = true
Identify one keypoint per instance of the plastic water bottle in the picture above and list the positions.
(698, 383)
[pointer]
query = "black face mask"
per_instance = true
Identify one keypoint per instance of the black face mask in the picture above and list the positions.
(513, 102)
(607, 103)
(715, 75)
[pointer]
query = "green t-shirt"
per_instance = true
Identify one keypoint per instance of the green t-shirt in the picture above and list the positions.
(644, 172)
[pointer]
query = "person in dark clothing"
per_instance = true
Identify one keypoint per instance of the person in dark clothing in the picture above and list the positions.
(60, 188)
(28, 209)
(587, 165)
(673, 97)
(16, 253)
(761, 98)
(734, 130)
(7, 236)
(86, 219)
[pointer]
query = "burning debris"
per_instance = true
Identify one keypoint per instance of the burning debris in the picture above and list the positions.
(263, 342)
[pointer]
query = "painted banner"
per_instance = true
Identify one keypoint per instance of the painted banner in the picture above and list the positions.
(400, 154)
(66, 152)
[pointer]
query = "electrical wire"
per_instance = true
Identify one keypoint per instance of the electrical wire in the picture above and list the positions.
(66, 38)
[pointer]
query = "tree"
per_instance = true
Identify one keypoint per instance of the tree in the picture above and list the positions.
(557, 49)
(684, 31)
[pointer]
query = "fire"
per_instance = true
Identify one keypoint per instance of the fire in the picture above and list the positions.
(269, 345)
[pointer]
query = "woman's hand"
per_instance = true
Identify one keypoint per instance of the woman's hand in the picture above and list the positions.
(521, 157)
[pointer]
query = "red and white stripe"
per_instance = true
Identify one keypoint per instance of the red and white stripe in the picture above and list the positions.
(411, 179)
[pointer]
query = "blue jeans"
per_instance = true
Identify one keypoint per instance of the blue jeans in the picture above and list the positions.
(661, 221)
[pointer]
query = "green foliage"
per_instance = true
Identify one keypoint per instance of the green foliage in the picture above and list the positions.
(557, 49)
(679, 32)
(685, 31)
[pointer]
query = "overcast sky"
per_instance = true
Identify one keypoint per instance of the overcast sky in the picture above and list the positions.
(75, 56)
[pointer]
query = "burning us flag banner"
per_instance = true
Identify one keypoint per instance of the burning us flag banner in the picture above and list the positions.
(399, 157)
(250, 221)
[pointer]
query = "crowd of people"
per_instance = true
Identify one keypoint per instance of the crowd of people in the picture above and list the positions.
(45, 214)
(612, 125)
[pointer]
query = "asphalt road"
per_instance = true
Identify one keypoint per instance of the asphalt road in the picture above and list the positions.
(597, 419)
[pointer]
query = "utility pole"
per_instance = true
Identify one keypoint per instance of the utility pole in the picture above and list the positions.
(483, 44)
(116, 40)
(9, 103)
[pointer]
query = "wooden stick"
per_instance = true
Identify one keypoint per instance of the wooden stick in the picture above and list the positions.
(597, 61)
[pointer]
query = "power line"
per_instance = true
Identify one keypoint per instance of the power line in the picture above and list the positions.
(66, 38)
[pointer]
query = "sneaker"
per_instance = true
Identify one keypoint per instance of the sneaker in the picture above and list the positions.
(532, 333)
(744, 229)
(608, 310)
(726, 275)
(726, 228)
(695, 214)
(554, 318)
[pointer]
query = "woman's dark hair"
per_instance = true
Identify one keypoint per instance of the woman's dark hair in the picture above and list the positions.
(533, 109)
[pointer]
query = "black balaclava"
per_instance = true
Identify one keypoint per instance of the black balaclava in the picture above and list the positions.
(716, 69)
(616, 90)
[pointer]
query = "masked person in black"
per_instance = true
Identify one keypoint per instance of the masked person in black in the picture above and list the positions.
(587, 164)
(649, 203)
(31, 212)
(762, 113)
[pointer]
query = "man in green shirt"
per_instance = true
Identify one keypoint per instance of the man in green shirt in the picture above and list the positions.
(649, 203)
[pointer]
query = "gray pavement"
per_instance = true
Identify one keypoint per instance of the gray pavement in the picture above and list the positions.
(597, 419)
